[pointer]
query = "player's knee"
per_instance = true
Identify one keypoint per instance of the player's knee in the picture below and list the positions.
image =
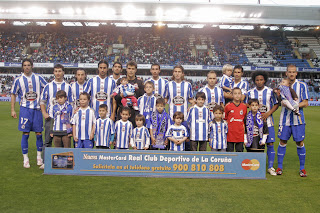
(283, 143)
(38, 133)
(26, 133)
(300, 143)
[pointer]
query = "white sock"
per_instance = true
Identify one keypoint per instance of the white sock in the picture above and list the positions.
(39, 154)
(25, 157)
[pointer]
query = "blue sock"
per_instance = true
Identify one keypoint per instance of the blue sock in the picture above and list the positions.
(301, 150)
(271, 155)
(281, 154)
(24, 143)
(39, 143)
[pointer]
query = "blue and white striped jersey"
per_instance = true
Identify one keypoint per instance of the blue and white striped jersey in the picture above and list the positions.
(100, 91)
(49, 94)
(123, 132)
(218, 134)
(198, 120)
(267, 99)
(159, 86)
(77, 89)
(177, 132)
(243, 85)
(213, 96)
(147, 105)
(62, 115)
(287, 117)
(140, 137)
(104, 130)
(84, 120)
(178, 95)
(28, 90)
(225, 81)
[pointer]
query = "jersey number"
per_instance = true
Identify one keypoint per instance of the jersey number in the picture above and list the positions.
(24, 121)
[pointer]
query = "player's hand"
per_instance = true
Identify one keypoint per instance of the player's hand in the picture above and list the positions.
(51, 135)
(262, 142)
(13, 114)
(121, 94)
(276, 91)
(75, 139)
(166, 142)
(264, 116)
(153, 141)
(245, 143)
(135, 148)
(69, 135)
(91, 136)
(46, 116)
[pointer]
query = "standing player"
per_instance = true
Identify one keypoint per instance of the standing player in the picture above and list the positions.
(214, 93)
(235, 112)
(268, 104)
(159, 83)
(104, 129)
(132, 68)
(198, 120)
(78, 86)
(116, 71)
(48, 99)
(100, 89)
(147, 102)
(84, 122)
(239, 82)
(123, 130)
(177, 133)
(292, 124)
(178, 92)
(28, 86)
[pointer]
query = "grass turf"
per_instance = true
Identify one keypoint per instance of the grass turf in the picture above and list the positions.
(27, 190)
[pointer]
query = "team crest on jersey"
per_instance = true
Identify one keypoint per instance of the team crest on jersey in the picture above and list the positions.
(178, 100)
(31, 96)
(157, 95)
(101, 96)
(123, 129)
(102, 127)
(241, 112)
(232, 111)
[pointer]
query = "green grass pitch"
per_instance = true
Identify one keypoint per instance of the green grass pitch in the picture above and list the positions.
(28, 190)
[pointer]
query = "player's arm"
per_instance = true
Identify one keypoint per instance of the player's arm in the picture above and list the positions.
(182, 140)
(75, 138)
(303, 103)
(114, 109)
(92, 131)
(13, 102)
(153, 140)
(173, 140)
(44, 112)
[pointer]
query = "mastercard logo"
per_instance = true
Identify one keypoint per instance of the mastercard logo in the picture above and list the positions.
(250, 164)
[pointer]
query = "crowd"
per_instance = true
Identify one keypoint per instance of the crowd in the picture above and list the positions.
(145, 47)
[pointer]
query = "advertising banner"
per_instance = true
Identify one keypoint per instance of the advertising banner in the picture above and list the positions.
(63, 161)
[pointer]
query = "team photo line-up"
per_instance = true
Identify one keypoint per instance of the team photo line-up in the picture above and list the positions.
(123, 111)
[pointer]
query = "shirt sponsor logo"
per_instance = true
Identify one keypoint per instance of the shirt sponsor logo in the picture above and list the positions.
(178, 100)
(31, 96)
(101, 96)
(234, 119)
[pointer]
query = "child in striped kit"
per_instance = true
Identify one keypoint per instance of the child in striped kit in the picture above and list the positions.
(123, 130)
(62, 113)
(198, 120)
(147, 102)
(84, 121)
(140, 138)
(177, 133)
(104, 129)
(218, 131)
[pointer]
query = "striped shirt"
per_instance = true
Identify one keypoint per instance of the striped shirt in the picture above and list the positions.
(178, 95)
(140, 137)
(29, 90)
(104, 129)
(84, 120)
(213, 96)
(177, 132)
(49, 94)
(123, 132)
(77, 89)
(62, 115)
(198, 120)
(218, 135)
(243, 85)
(147, 105)
(100, 91)
(225, 81)
(267, 99)
(289, 118)
(159, 86)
